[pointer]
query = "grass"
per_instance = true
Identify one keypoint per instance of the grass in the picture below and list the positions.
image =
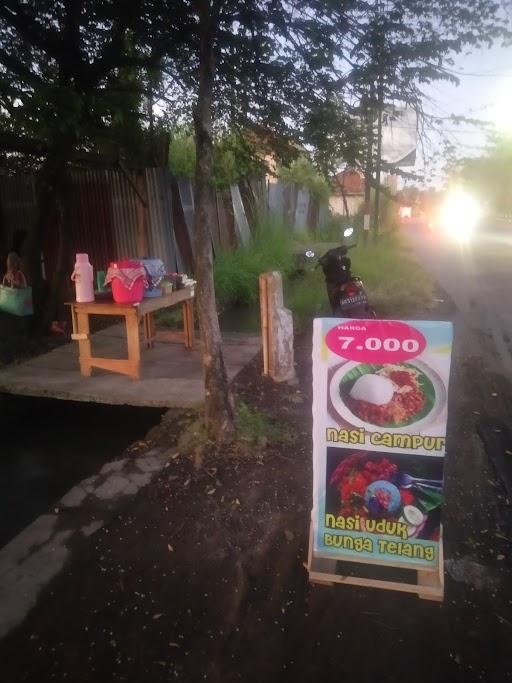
(236, 272)
(256, 428)
(396, 283)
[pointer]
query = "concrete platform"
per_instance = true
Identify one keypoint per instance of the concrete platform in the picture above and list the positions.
(171, 376)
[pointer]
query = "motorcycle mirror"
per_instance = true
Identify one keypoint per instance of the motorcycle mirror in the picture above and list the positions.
(310, 254)
(348, 232)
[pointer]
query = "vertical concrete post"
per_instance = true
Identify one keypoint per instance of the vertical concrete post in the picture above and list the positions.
(276, 329)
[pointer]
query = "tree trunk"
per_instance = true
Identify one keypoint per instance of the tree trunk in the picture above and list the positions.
(219, 412)
(63, 264)
(53, 196)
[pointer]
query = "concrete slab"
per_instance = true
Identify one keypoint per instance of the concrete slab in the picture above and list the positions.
(171, 376)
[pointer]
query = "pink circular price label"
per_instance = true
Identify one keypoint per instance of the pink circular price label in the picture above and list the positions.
(375, 341)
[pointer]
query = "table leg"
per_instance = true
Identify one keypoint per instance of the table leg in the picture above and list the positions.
(132, 337)
(149, 330)
(84, 343)
(152, 327)
(188, 323)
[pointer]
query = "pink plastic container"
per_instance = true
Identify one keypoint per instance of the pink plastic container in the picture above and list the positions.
(120, 292)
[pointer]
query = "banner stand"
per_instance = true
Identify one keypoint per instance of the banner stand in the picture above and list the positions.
(429, 585)
(380, 409)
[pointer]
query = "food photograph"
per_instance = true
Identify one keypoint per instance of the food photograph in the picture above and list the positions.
(406, 397)
(395, 487)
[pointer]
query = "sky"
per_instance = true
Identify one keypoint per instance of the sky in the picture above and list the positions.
(484, 92)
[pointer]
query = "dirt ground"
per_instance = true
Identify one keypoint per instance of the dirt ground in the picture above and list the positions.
(202, 576)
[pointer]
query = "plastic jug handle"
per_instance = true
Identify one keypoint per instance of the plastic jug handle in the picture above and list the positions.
(73, 275)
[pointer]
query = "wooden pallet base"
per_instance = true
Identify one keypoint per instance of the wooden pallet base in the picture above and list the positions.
(428, 585)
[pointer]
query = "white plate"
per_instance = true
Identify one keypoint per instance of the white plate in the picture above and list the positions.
(415, 427)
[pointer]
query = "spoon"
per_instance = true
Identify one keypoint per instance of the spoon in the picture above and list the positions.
(405, 481)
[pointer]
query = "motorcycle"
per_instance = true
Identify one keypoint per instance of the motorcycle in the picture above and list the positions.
(346, 292)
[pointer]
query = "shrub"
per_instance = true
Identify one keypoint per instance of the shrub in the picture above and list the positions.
(236, 272)
(302, 172)
(233, 158)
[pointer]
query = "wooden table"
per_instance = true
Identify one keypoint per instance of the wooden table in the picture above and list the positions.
(133, 314)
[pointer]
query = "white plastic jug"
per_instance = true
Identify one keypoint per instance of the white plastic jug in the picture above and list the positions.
(83, 277)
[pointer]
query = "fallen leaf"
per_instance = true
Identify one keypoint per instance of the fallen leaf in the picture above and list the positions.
(186, 483)
(157, 616)
(237, 501)
(500, 557)
(174, 645)
(494, 394)
(211, 492)
(170, 548)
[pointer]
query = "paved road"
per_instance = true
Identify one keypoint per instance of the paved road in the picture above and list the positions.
(478, 278)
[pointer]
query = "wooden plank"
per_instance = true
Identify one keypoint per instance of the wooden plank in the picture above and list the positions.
(264, 320)
(132, 337)
(165, 301)
(84, 343)
(383, 563)
(429, 584)
(148, 337)
(102, 308)
(170, 336)
(427, 593)
(146, 305)
(121, 367)
(270, 330)
(188, 323)
(428, 581)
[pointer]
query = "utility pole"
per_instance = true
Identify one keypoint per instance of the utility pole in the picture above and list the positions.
(378, 163)
(368, 171)
(379, 56)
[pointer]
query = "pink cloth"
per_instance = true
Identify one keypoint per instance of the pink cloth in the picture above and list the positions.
(128, 276)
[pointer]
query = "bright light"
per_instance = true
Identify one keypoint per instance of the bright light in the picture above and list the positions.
(460, 214)
(348, 232)
(499, 113)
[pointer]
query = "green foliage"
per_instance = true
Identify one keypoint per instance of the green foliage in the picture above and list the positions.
(233, 158)
(490, 175)
(302, 172)
(182, 154)
(256, 427)
(236, 272)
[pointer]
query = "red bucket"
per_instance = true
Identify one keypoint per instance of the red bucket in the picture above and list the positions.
(120, 292)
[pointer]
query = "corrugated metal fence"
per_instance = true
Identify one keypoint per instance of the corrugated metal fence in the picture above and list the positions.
(116, 214)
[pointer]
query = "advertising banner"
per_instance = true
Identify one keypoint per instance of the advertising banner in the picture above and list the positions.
(399, 136)
(380, 397)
